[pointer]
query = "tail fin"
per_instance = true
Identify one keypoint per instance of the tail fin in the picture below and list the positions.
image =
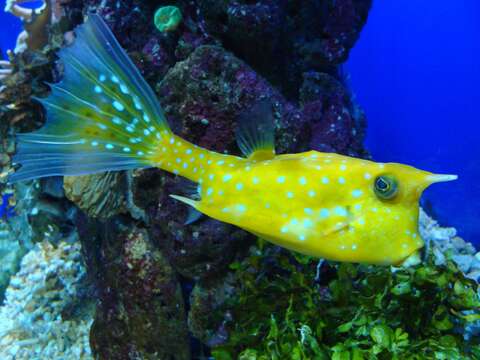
(102, 116)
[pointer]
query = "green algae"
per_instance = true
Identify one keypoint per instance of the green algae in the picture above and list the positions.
(167, 18)
(353, 312)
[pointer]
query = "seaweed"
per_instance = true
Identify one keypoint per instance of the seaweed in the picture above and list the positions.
(282, 311)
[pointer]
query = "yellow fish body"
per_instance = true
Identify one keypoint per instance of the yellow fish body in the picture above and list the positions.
(104, 116)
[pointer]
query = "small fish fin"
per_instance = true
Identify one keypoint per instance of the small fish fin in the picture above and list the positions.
(185, 200)
(193, 216)
(256, 132)
(338, 227)
(340, 222)
(102, 116)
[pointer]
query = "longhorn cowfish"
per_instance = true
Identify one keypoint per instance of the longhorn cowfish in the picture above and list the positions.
(103, 116)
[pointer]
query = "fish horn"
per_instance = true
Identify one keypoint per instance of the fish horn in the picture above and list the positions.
(435, 178)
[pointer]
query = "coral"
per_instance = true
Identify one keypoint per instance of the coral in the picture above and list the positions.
(43, 317)
(446, 245)
(36, 23)
(11, 252)
(167, 18)
(5, 69)
(99, 195)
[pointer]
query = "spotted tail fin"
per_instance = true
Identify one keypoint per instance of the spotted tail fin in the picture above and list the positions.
(102, 116)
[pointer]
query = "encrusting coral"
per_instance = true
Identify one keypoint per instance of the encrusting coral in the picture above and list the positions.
(167, 18)
(43, 316)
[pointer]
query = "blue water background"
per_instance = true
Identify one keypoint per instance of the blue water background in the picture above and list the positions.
(415, 72)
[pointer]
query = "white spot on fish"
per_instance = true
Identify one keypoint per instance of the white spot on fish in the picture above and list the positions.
(209, 191)
(324, 213)
(118, 106)
(255, 180)
(109, 146)
(126, 149)
(114, 79)
(281, 179)
(102, 78)
(343, 167)
(307, 223)
(239, 186)
(185, 165)
(97, 89)
(354, 247)
(227, 177)
(357, 193)
(367, 176)
(311, 193)
(302, 180)
(308, 211)
(340, 211)
(123, 89)
(241, 208)
(325, 180)
(94, 143)
(290, 194)
(284, 229)
(188, 151)
(341, 180)
(301, 237)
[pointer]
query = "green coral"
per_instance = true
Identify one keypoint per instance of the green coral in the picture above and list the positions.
(355, 312)
(167, 18)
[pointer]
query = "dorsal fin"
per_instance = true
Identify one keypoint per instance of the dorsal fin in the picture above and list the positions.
(255, 132)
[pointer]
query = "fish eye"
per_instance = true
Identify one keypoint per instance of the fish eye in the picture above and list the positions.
(385, 187)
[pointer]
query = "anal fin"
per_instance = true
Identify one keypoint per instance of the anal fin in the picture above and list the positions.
(194, 214)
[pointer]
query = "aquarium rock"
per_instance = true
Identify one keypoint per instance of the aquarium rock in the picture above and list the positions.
(294, 36)
(141, 312)
(36, 320)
